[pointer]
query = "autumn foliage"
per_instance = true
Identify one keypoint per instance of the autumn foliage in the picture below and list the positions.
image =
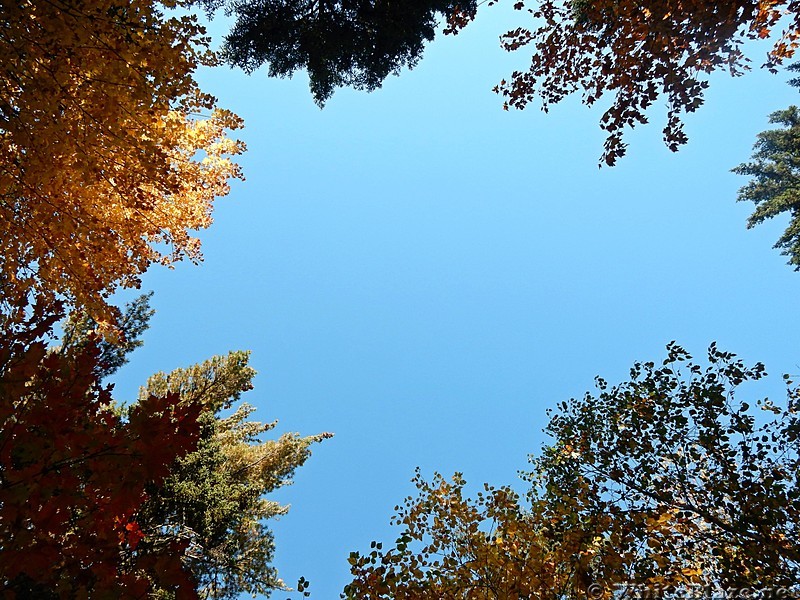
(110, 154)
(73, 474)
(668, 481)
(110, 159)
(638, 51)
(453, 547)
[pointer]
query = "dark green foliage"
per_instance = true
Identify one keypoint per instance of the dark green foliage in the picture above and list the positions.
(354, 43)
(775, 172)
(214, 498)
(205, 504)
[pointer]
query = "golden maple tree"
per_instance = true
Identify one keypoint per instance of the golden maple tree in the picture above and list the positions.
(110, 154)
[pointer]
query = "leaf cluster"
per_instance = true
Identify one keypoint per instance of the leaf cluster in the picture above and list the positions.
(73, 475)
(688, 472)
(453, 547)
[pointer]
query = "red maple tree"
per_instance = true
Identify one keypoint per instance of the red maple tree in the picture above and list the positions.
(73, 472)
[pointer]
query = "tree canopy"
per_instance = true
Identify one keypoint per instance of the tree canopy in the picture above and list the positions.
(214, 497)
(111, 155)
(637, 52)
(665, 482)
(687, 469)
(355, 43)
(453, 547)
(165, 496)
(110, 158)
(73, 474)
(634, 52)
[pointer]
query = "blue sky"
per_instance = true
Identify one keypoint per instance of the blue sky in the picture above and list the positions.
(424, 274)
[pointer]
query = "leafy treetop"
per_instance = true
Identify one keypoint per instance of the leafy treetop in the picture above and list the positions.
(214, 498)
(453, 547)
(633, 51)
(687, 470)
(211, 508)
(354, 43)
(108, 163)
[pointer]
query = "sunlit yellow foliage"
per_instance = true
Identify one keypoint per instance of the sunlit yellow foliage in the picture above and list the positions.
(494, 548)
(109, 153)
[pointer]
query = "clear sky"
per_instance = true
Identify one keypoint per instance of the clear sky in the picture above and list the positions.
(424, 274)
